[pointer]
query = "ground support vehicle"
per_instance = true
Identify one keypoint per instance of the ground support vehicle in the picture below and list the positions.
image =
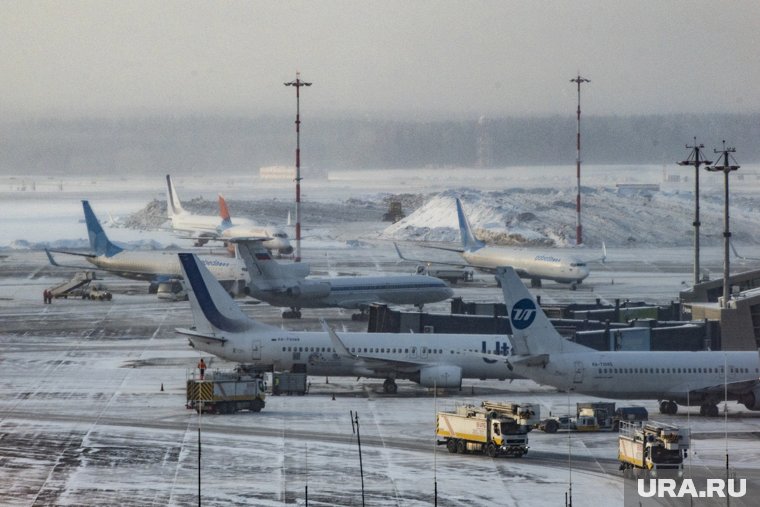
(596, 416)
(226, 392)
(493, 428)
(76, 286)
(451, 275)
(652, 448)
(289, 383)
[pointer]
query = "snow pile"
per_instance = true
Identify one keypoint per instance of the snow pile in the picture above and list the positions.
(545, 216)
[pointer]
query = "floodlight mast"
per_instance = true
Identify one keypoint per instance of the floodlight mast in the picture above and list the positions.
(578, 226)
(695, 159)
(298, 83)
(726, 168)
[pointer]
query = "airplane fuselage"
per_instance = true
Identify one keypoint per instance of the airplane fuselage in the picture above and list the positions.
(644, 375)
(478, 356)
(210, 226)
(544, 265)
(149, 265)
(355, 292)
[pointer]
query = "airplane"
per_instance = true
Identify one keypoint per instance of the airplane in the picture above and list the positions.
(431, 360)
(701, 378)
(205, 228)
(286, 285)
(529, 263)
(156, 267)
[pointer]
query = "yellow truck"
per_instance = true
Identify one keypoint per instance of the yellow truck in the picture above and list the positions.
(652, 447)
(226, 392)
(492, 428)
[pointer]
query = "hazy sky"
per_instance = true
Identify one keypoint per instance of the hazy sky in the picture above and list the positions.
(390, 58)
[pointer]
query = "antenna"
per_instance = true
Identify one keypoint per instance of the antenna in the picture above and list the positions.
(578, 226)
(355, 430)
(298, 84)
(695, 159)
(726, 168)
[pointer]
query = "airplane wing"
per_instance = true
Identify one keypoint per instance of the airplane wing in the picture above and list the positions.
(205, 337)
(428, 261)
(367, 362)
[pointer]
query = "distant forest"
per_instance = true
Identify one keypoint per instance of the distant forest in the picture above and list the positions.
(203, 143)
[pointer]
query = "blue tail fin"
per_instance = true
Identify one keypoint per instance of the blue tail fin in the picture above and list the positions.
(469, 242)
(212, 308)
(99, 242)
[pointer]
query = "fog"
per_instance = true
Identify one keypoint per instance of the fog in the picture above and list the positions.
(392, 59)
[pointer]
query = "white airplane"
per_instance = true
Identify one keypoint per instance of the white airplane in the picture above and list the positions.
(156, 267)
(529, 263)
(204, 228)
(432, 360)
(286, 285)
(697, 378)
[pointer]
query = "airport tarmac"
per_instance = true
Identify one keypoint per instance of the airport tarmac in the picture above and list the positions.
(85, 421)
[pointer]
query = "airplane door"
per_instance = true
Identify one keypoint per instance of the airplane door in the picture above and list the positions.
(256, 350)
(578, 377)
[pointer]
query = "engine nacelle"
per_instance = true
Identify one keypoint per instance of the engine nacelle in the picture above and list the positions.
(439, 376)
(751, 400)
(308, 290)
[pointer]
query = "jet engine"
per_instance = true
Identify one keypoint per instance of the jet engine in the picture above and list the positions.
(308, 290)
(439, 376)
(751, 400)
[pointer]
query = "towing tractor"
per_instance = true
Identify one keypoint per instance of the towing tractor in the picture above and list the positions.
(226, 392)
(652, 448)
(492, 428)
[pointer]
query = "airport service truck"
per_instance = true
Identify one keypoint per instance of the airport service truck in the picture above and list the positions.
(226, 392)
(652, 447)
(491, 428)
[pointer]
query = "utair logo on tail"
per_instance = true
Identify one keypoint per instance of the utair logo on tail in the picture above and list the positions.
(523, 313)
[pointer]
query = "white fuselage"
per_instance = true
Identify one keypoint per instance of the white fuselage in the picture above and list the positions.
(546, 265)
(149, 265)
(642, 375)
(211, 226)
(477, 355)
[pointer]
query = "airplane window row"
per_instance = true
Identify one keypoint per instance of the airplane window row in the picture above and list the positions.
(672, 370)
(368, 350)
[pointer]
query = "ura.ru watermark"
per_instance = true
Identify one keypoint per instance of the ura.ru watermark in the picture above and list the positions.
(687, 488)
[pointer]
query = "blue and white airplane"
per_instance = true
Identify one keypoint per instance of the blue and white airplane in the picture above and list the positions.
(287, 285)
(702, 378)
(156, 267)
(529, 263)
(432, 360)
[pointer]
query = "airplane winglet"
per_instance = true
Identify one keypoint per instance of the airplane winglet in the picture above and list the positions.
(340, 347)
(50, 258)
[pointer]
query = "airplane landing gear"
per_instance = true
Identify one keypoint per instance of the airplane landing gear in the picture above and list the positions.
(293, 313)
(362, 316)
(535, 283)
(668, 407)
(389, 386)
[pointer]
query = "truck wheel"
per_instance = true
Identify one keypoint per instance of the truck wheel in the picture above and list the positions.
(491, 450)
(551, 426)
(461, 447)
(451, 446)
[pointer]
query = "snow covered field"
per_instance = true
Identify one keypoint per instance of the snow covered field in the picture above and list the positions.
(83, 420)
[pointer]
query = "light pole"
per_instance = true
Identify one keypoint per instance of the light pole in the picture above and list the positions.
(695, 160)
(578, 226)
(726, 168)
(298, 84)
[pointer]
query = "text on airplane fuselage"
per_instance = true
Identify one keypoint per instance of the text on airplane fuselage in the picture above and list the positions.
(547, 258)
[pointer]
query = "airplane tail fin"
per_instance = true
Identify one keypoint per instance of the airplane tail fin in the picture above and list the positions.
(99, 242)
(469, 242)
(532, 331)
(173, 204)
(214, 311)
(224, 212)
(259, 261)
